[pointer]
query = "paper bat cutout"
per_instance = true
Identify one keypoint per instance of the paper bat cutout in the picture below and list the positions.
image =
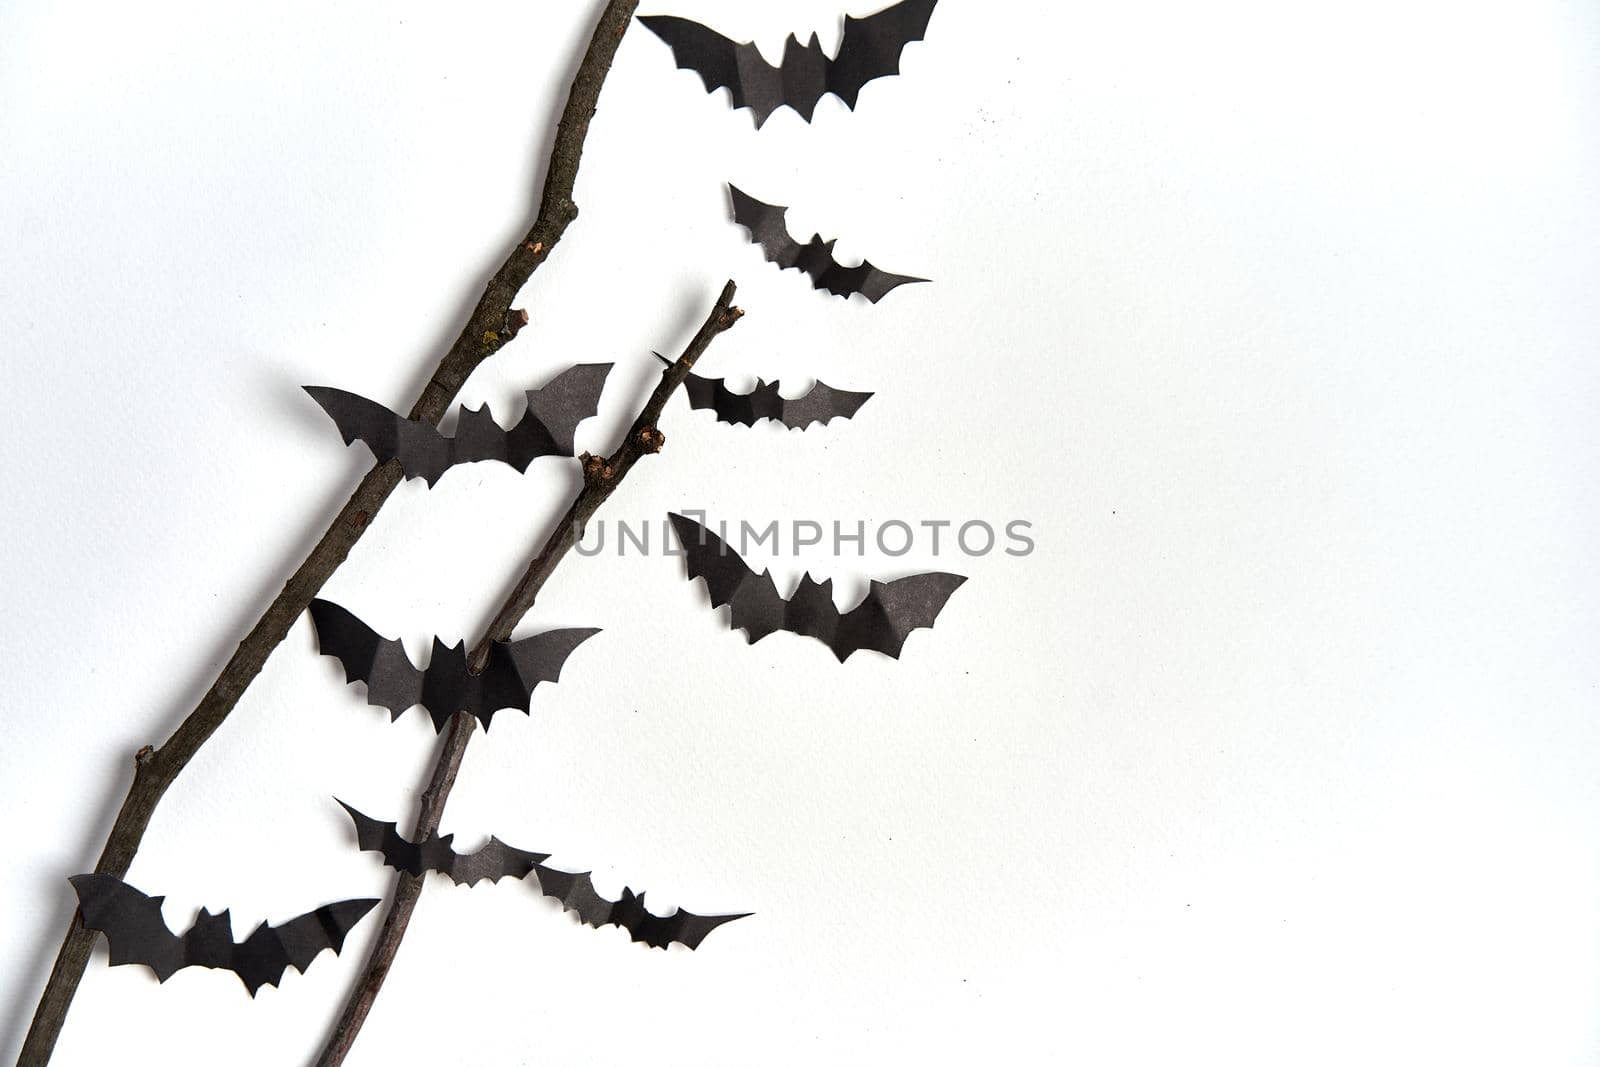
(870, 48)
(494, 861)
(577, 894)
(136, 933)
(881, 622)
(815, 257)
(821, 403)
(546, 429)
(444, 687)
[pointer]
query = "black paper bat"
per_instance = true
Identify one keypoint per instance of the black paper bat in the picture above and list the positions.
(815, 257)
(136, 933)
(546, 429)
(881, 622)
(494, 861)
(870, 48)
(821, 403)
(445, 686)
(577, 894)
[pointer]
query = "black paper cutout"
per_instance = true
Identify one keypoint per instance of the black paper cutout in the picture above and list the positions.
(546, 429)
(869, 48)
(815, 257)
(494, 861)
(577, 894)
(444, 687)
(136, 933)
(881, 622)
(821, 403)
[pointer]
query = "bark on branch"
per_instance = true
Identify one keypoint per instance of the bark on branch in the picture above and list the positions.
(492, 324)
(601, 477)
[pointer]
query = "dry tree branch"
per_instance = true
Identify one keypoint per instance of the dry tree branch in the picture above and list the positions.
(601, 476)
(492, 324)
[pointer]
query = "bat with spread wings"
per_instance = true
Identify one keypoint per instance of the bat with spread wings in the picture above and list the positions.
(136, 933)
(869, 48)
(768, 229)
(577, 894)
(546, 429)
(494, 861)
(445, 686)
(821, 403)
(881, 622)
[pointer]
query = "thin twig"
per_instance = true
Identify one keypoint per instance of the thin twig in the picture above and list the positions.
(491, 326)
(601, 476)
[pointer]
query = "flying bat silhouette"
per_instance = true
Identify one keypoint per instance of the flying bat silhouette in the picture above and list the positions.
(546, 429)
(494, 861)
(870, 48)
(445, 686)
(815, 257)
(881, 622)
(497, 860)
(577, 894)
(821, 403)
(136, 933)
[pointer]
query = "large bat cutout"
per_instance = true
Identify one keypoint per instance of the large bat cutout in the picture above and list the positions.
(815, 257)
(881, 622)
(576, 894)
(494, 861)
(136, 933)
(870, 48)
(821, 403)
(445, 686)
(547, 428)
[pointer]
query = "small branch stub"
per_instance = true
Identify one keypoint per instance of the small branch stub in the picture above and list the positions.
(651, 439)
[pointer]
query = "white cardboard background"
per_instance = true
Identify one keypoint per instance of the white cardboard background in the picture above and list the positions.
(1278, 321)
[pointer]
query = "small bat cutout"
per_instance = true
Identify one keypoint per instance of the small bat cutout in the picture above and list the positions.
(546, 429)
(821, 403)
(815, 257)
(494, 861)
(445, 686)
(136, 933)
(870, 48)
(881, 622)
(577, 894)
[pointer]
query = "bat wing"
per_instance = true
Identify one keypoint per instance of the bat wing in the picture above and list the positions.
(422, 451)
(515, 668)
(891, 610)
(767, 228)
(263, 956)
(392, 680)
(869, 281)
(132, 922)
(373, 835)
(751, 81)
(820, 403)
(577, 894)
(755, 605)
(554, 411)
(494, 861)
(815, 258)
(871, 46)
(137, 933)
